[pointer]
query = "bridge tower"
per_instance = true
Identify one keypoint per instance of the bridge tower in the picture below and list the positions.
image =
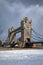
(11, 35)
(26, 30)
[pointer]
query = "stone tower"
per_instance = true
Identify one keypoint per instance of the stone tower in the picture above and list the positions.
(26, 30)
(11, 34)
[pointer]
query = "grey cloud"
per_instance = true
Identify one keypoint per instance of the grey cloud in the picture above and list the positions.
(32, 2)
(40, 24)
(10, 1)
(12, 12)
(27, 2)
(1, 30)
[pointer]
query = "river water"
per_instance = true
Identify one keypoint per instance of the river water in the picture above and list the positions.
(21, 57)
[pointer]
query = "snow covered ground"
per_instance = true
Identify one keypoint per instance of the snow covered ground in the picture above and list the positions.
(21, 54)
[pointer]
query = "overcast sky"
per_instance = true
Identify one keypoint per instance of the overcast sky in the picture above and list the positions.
(13, 11)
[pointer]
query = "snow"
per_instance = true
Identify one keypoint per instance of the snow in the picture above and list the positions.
(21, 54)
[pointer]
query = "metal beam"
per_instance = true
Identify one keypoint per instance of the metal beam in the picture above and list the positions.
(36, 42)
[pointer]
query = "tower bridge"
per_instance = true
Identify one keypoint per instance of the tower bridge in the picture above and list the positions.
(26, 35)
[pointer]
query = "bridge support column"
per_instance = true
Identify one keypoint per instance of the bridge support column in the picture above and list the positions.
(11, 36)
(26, 30)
